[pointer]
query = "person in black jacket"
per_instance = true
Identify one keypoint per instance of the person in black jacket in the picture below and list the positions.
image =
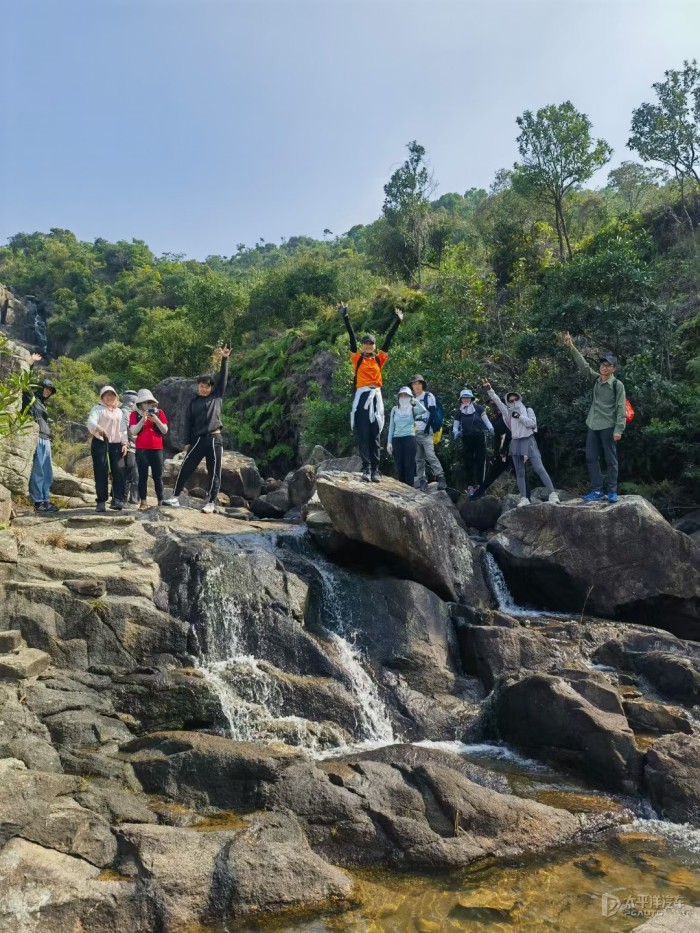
(41, 476)
(470, 421)
(203, 434)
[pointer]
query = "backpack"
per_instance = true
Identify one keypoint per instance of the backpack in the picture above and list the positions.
(436, 418)
(629, 408)
(476, 425)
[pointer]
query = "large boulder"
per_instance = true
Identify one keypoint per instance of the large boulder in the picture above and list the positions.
(489, 651)
(672, 777)
(47, 891)
(575, 720)
(263, 865)
(420, 533)
(482, 513)
(619, 561)
(239, 475)
(174, 395)
(17, 449)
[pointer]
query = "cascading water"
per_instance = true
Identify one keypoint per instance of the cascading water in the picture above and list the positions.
(503, 597)
(250, 699)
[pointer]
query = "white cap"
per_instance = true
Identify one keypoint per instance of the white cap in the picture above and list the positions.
(145, 395)
(106, 389)
(404, 390)
(466, 393)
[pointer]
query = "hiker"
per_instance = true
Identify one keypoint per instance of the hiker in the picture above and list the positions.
(401, 440)
(203, 434)
(425, 435)
(108, 425)
(501, 461)
(606, 421)
(470, 421)
(41, 477)
(148, 426)
(522, 424)
(367, 415)
(128, 406)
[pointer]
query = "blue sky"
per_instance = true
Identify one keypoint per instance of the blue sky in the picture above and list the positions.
(199, 124)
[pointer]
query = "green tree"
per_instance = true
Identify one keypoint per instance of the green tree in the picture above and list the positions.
(669, 131)
(633, 183)
(558, 154)
(407, 205)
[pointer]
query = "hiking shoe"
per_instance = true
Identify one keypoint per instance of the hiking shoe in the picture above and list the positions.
(612, 497)
(423, 484)
(365, 476)
(209, 508)
(174, 502)
(39, 506)
(523, 501)
(143, 506)
(442, 482)
(376, 478)
(50, 507)
(116, 505)
(595, 495)
(101, 507)
(554, 497)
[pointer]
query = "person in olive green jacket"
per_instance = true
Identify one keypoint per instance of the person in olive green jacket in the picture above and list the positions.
(606, 421)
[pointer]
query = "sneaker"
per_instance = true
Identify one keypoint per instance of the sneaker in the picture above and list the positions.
(595, 495)
(612, 497)
(209, 508)
(554, 497)
(174, 502)
(39, 506)
(442, 482)
(376, 478)
(143, 506)
(365, 476)
(116, 505)
(523, 501)
(101, 507)
(423, 484)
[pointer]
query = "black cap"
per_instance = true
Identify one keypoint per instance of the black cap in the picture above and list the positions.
(47, 384)
(208, 378)
(607, 358)
(368, 338)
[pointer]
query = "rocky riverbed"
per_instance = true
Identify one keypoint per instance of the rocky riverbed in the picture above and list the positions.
(206, 718)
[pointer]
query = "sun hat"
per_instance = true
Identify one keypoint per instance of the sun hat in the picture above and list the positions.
(466, 393)
(145, 395)
(404, 390)
(105, 389)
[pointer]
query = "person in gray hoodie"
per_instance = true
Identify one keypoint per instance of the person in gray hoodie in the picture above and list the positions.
(522, 424)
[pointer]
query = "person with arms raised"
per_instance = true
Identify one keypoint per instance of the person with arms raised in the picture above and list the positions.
(367, 415)
(203, 426)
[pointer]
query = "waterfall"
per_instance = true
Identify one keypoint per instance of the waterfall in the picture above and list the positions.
(250, 697)
(504, 599)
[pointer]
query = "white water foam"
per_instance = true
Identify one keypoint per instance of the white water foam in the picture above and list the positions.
(682, 835)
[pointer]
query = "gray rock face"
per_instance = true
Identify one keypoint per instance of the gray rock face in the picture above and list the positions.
(47, 891)
(574, 720)
(301, 486)
(671, 777)
(28, 795)
(273, 504)
(239, 475)
(489, 651)
(17, 449)
(482, 513)
(23, 736)
(647, 716)
(420, 532)
(622, 561)
(174, 395)
(194, 877)
(206, 770)
(70, 828)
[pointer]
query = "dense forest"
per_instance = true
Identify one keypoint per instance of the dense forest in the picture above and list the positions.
(487, 280)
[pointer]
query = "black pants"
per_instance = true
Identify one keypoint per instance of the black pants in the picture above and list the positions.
(210, 446)
(474, 454)
(102, 453)
(601, 443)
(132, 476)
(154, 460)
(367, 433)
(405, 459)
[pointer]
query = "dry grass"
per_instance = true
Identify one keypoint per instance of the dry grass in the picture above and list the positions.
(56, 539)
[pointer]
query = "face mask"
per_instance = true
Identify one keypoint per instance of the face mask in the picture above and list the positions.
(404, 404)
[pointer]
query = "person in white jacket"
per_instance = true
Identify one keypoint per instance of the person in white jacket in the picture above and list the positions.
(522, 424)
(108, 426)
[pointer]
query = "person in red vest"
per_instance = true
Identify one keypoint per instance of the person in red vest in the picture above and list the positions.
(148, 425)
(367, 416)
